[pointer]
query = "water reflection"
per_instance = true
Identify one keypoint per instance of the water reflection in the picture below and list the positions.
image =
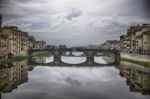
(73, 60)
(49, 59)
(137, 77)
(44, 59)
(126, 81)
(11, 77)
(40, 59)
(99, 60)
(74, 53)
(70, 59)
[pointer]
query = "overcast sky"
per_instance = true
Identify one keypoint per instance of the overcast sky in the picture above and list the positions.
(75, 22)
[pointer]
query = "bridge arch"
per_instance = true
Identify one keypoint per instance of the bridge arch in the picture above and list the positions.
(89, 53)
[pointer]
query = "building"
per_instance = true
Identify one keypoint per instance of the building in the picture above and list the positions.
(143, 41)
(3, 45)
(136, 40)
(125, 43)
(31, 42)
(0, 21)
(146, 41)
(62, 46)
(111, 44)
(93, 46)
(16, 40)
(40, 45)
(50, 46)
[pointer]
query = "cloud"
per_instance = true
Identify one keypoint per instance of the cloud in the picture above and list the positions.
(106, 23)
(73, 82)
(82, 22)
(74, 14)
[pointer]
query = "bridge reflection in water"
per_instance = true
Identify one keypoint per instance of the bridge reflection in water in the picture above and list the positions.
(15, 74)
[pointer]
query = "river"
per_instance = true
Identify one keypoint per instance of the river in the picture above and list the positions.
(126, 81)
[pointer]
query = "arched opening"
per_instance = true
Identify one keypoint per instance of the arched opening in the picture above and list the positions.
(77, 53)
(73, 60)
(73, 53)
(99, 60)
(73, 57)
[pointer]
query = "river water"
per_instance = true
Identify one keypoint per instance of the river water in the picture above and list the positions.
(127, 81)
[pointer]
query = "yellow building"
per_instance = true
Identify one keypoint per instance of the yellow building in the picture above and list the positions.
(143, 41)
(31, 42)
(146, 40)
(137, 39)
(17, 40)
(125, 43)
(3, 45)
(40, 45)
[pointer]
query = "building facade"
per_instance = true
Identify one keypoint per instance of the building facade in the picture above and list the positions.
(16, 40)
(3, 45)
(111, 44)
(31, 42)
(40, 45)
(136, 40)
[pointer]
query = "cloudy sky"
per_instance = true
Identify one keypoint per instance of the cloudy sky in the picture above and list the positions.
(75, 22)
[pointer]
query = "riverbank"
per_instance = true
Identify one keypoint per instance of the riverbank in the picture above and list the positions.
(14, 59)
(137, 59)
(40, 54)
(5, 61)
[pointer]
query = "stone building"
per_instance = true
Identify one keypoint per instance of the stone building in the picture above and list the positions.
(125, 43)
(146, 41)
(143, 42)
(111, 44)
(40, 45)
(16, 40)
(3, 45)
(31, 42)
(136, 40)
(0, 21)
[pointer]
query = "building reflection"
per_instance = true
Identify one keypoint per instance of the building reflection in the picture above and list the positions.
(137, 77)
(13, 75)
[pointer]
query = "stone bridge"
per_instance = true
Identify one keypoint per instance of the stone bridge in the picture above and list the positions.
(88, 53)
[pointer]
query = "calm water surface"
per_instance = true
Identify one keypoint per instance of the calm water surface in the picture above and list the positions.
(45, 82)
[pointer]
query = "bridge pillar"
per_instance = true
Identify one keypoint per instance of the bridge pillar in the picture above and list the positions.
(57, 57)
(90, 57)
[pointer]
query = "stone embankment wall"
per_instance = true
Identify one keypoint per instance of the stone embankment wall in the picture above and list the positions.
(144, 58)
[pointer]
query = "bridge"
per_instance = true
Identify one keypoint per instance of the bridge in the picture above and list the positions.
(88, 53)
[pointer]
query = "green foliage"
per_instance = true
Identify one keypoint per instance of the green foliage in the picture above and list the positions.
(109, 54)
(146, 64)
(19, 58)
(14, 59)
(4, 61)
(40, 54)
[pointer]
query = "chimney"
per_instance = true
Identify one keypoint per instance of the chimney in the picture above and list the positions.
(0, 21)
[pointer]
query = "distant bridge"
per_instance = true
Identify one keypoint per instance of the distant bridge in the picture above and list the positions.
(88, 53)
